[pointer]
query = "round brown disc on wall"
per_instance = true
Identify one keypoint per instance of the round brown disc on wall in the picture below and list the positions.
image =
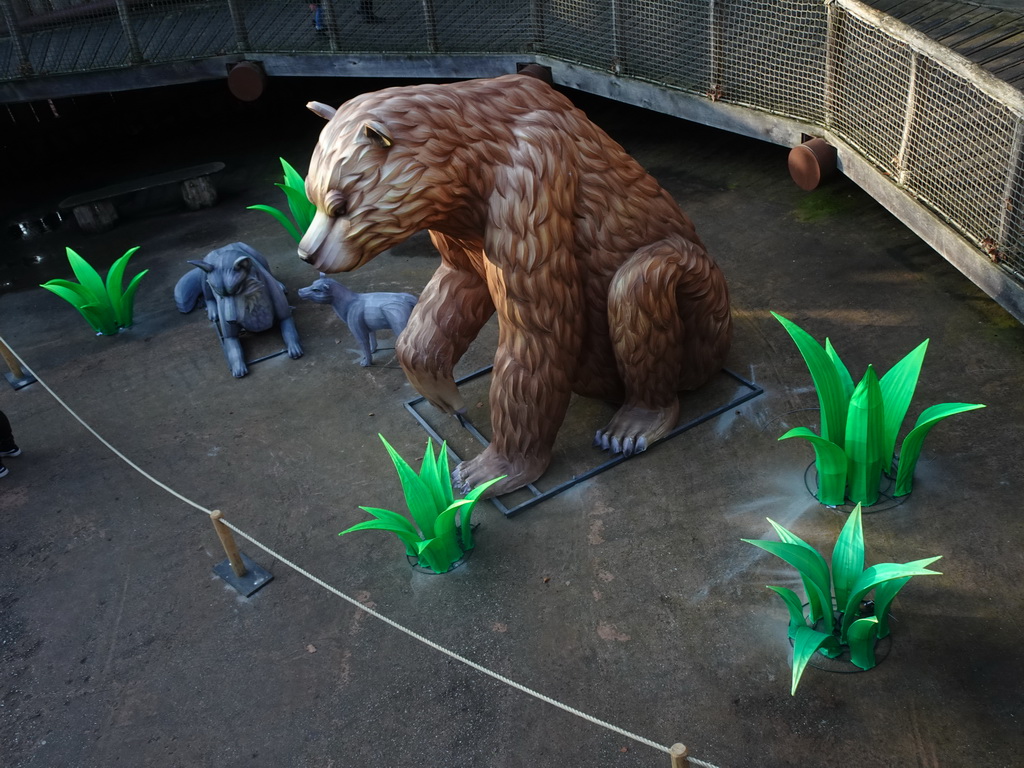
(811, 163)
(246, 81)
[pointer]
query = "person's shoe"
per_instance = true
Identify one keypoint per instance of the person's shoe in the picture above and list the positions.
(15, 451)
(4, 471)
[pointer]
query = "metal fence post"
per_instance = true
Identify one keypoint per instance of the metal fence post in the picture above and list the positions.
(129, 32)
(537, 25)
(619, 63)
(24, 65)
(238, 20)
(430, 22)
(329, 22)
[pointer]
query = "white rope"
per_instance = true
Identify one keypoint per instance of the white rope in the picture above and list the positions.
(445, 651)
(353, 601)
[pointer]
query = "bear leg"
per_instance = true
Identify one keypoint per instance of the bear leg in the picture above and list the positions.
(671, 330)
(450, 312)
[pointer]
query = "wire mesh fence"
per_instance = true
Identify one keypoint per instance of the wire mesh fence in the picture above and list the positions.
(933, 131)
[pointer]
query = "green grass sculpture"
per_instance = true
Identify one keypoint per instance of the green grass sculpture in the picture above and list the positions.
(101, 302)
(860, 424)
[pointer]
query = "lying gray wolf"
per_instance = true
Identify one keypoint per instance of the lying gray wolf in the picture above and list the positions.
(241, 294)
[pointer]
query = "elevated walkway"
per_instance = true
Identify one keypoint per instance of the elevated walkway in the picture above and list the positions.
(922, 100)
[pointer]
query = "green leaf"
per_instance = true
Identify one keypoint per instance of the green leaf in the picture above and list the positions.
(884, 595)
(827, 382)
(88, 277)
(115, 276)
(301, 208)
(910, 451)
(796, 609)
(831, 464)
(444, 475)
(73, 293)
(805, 643)
(898, 386)
(862, 637)
(872, 577)
(811, 567)
(292, 177)
(466, 510)
(817, 610)
(126, 309)
(848, 556)
(281, 219)
(401, 522)
(417, 496)
(397, 524)
(431, 478)
(445, 531)
(432, 555)
(100, 318)
(865, 439)
(844, 374)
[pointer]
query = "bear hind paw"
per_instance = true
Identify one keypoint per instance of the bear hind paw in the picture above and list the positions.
(634, 429)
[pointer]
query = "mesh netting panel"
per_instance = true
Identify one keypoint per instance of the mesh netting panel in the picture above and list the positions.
(340, 26)
(60, 50)
(494, 26)
(195, 32)
(579, 31)
(867, 102)
(1012, 242)
(770, 55)
(666, 42)
(959, 154)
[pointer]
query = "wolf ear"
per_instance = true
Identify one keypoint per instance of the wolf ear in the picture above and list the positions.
(378, 134)
(323, 110)
(205, 266)
(242, 263)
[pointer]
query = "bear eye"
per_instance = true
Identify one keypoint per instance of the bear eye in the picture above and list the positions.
(334, 203)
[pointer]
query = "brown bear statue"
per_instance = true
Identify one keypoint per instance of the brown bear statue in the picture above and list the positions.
(601, 284)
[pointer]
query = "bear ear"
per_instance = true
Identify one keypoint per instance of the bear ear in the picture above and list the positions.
(323, 110)
(378, 134)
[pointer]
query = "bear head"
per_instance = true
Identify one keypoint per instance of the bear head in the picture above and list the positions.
(370, 185)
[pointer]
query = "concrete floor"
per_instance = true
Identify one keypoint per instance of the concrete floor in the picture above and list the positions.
(630, 596)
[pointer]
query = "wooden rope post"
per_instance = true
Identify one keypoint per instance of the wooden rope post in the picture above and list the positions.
(228, 542)
(12, 361)
(679, 753)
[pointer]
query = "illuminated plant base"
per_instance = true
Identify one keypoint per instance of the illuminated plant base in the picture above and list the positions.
(885, 498)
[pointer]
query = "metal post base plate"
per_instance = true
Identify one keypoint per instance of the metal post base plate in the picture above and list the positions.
(254, 577)
(18, 383)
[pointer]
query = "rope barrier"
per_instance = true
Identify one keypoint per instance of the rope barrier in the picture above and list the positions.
(379, 616)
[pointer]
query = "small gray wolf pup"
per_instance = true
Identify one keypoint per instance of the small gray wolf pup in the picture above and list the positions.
(363, 313)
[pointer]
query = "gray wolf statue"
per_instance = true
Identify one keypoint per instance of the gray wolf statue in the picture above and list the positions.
(240, 294)
(363, 313)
